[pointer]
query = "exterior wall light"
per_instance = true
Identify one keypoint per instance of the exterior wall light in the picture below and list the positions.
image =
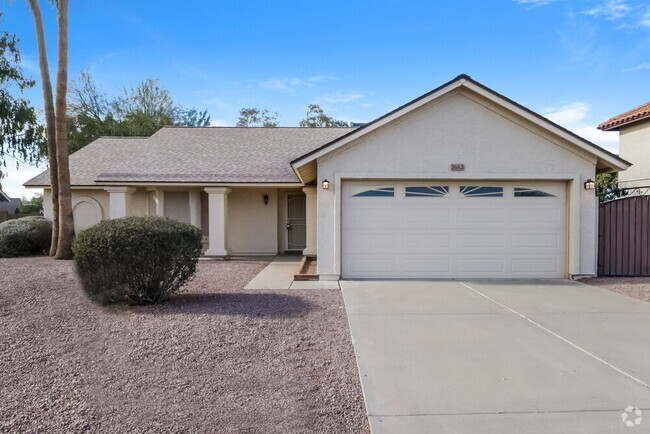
(590, 184)
(266, 199)
(326, 184)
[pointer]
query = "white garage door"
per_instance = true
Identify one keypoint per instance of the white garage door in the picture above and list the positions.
(441, 229)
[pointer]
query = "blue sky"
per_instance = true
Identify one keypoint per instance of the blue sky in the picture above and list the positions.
(578, 62)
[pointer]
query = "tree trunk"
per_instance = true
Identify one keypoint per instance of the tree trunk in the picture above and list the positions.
(50, 131)
(66, 223)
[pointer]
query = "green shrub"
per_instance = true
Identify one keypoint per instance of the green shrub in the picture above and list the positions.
(25, 236)
(141, 260)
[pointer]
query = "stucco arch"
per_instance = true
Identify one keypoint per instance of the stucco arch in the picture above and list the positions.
(87, 212)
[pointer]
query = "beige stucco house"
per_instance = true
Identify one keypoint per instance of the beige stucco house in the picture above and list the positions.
(633, 128)
(461, 182)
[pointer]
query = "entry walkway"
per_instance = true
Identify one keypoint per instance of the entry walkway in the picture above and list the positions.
(279, 275)
(499, 357)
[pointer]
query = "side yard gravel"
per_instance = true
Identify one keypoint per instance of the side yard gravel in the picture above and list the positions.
(637, 287)
(216, 358)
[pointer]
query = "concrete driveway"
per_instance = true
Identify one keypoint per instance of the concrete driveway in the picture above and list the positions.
(499, 356)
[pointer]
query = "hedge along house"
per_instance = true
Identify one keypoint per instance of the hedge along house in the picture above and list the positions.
(459, 183)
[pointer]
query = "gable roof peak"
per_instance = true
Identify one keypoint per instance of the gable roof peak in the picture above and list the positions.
(611, 160)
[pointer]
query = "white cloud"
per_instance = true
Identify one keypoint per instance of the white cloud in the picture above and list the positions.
(320, 78)
(282, 83)
(14, 178)
(534, 3)
(29, 64)
(342, 97)
(101, 60)
(612, 10)
(576, 118)
(568, 114)
(645, 19)
(605, 139)
(640, 67)
(219, 123)
(288, 83)
(215, 102)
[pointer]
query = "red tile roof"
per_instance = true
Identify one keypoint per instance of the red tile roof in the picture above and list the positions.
(636, 114)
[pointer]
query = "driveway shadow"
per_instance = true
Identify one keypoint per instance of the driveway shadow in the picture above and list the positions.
(246, 304)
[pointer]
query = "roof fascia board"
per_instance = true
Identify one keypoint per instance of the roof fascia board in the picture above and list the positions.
(297, 172)
(100, 186)
(201, 184)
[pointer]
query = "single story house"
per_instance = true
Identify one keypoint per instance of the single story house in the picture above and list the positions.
(8, 204)
(633, 128)
(461, 182)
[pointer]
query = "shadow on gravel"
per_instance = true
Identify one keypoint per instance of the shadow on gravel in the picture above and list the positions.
(255, 305)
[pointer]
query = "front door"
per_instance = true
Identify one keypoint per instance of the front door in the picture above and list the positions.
(296, 222)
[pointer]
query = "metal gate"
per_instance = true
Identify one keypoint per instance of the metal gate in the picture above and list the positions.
(624, 237)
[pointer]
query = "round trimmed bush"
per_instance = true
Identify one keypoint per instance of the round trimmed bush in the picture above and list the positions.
(140, 260)
(25, 236)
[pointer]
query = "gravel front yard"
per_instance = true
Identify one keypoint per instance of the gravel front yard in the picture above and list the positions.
(637, 287)
(216, 358)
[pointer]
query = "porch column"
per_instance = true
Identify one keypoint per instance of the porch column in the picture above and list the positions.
(310, 220)
(195, 208)
(159, 200)
(119, 201)
(218, 221)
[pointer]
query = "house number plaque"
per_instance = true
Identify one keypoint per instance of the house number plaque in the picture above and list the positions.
(457, 167)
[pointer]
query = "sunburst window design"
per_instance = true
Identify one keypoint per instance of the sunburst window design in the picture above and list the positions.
(478, 191)
(428, 191)
(377, 192)
(531, 192)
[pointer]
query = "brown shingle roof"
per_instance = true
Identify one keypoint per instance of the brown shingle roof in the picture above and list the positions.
(190, 154)
(634, 115)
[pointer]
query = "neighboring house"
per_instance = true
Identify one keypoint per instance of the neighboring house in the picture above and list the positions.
(461, 182)
(8, 204)
(634, 144)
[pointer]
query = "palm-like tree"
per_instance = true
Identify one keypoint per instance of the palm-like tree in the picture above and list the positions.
(50, 133)
(56, 123)
(66, 223)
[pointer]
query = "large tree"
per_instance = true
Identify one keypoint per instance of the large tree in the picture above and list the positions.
(56, 129)
(21, 134)
(316, 117)
(66, 222)
(33, 205)
(254, 117)
(138, 111)
(48, 105)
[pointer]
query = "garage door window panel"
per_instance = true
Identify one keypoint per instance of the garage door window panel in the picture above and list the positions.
(428, 191)
(377, 192)
(480, 191)
(531, 192)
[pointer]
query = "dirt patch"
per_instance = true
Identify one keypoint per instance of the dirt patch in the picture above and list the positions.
(216, 358)
(637, 287)
(306, 270)
(312, 267)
